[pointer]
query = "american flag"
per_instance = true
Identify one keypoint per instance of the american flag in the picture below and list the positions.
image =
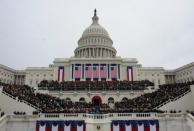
(59, 125)
(129, 74)
(135, 125)
(77, 72)
(95, 71)
(61, 74)
(103, 71)
(88, 71)
(114, 71)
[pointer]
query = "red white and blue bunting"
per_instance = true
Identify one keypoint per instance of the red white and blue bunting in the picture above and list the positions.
(135, 125)
(60, 125)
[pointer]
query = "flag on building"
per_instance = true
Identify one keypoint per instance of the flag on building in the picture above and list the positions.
(77, 71)
(88, 71)
(129, 73)
(135, 125)
(45, 125)
(103, 71)
(113, 71)
(96, 71)
(61, 74)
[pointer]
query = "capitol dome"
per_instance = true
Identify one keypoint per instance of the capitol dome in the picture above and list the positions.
(95, 29)
(95, 41)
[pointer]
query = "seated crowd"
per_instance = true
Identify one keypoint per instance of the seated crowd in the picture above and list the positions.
(94, 85)
(192, 113)
(144, 103)
(148, 101)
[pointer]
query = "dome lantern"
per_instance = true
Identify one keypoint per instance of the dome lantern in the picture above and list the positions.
(95, 17)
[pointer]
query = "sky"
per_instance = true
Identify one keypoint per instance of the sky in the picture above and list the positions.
(159, 33)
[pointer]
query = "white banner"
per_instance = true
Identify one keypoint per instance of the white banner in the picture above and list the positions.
(116, 127)
(54, 128)
(140, 127)
(42, 128)
(128, 128)
(152, 127)
(80, 128)
(67, 128)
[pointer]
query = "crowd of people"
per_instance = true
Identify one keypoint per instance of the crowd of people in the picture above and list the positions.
(94, 85)
(50, 104)
(192, 113)
(2, 114)
(148, 101)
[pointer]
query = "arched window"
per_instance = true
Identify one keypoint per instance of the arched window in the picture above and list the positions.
(68, 99)
(82, 99)
(125, 99)
(110, 100)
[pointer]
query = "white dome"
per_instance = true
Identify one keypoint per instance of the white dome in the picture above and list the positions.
(95, 42)
(95, 29)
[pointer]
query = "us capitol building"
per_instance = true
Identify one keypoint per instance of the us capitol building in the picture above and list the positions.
(96, 107)
(95, 58)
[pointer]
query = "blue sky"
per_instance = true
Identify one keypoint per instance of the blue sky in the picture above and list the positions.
(158, 33)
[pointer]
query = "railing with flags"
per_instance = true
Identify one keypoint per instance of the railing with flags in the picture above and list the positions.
(135, 125)
(45, 125)
(95, 71)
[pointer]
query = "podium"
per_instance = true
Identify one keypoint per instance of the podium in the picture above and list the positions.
(98, 122)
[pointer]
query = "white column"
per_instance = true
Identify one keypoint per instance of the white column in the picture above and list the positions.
(73, 72)
(85, 71)
(98, 71)
(81, 73)
(96, 52)
(70, 72)
(110, 71)
(107, 72)
(92, 72)
(93, 53)
(117, 71)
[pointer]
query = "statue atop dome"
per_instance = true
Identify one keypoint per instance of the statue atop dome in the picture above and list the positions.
(95, 12)
(95, 17)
